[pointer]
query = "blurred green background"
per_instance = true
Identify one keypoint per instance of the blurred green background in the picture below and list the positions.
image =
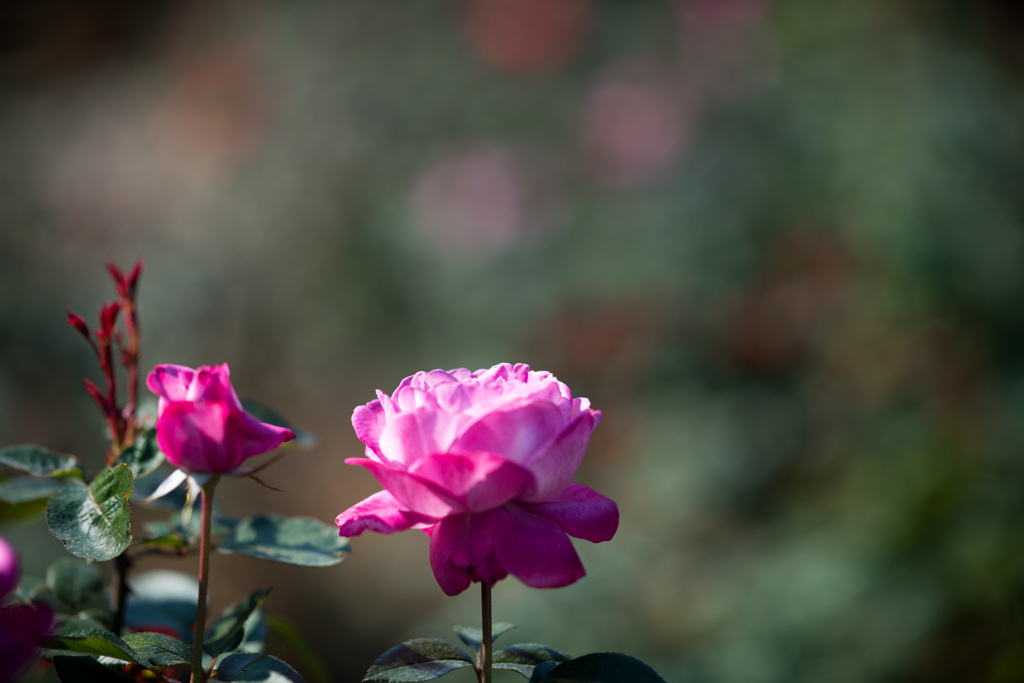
(779, 244)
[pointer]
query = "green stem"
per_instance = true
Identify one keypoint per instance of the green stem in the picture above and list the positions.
(204, 576)
(486, 644)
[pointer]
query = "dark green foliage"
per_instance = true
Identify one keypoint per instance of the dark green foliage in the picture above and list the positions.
(228, 631)
(86, 670)
(602, 667)
(95, 641)
(525, 657)
(474, 636)
(93, 521)
(73, 582)
(292, 540)
(18, 490)
(248, 666)
(420, 659)
(144, 456)
(159, 649)
(39, 462)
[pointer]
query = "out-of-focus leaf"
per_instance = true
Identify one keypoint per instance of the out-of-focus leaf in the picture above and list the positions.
(303, 541)
(162, 600)
(142, 457)
(603, 667)
(228, 631)
(96, 642)
(420, 659)
(250, 666)
(270, 416)
(524, 657)
(147, 485)
(298, 649)
(86, 670)
(160, 649)
(40, 462)
(15, 512)
(93, 521)
(29, 588)
(474, 637)
(24, 489)
(74, 582)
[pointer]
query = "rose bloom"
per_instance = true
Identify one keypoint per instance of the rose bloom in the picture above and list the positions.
(483, 463)
(23, 628)
(201, 426)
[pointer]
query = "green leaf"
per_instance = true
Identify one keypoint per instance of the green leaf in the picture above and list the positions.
(162, 600)
(160, 649)
(95, 641)
(420, 659)
(86, 670)
(250, 666)
(142, 457)
(73, 582)
(40, 462)
(29, 589)
(13, 513)
(524, 657)
(24, 489)
(93, 521)
(474, 637)
(228, 631)
(603, 667)
(300, 652)
(303, 541)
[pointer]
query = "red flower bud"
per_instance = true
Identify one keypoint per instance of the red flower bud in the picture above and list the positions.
(120, 281)
(133, 279)
(108, 318)
(98, 396)
(76, 322)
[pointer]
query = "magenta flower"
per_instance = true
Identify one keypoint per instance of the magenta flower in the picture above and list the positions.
(23, 628)
(483, 463)
(201, 426)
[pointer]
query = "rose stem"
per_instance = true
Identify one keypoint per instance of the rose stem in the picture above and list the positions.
(122, 563)
(204, 575)
(486, 645)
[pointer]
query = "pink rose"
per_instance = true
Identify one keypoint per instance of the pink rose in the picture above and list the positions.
(482, 462)
(201, 426)
(23, 628)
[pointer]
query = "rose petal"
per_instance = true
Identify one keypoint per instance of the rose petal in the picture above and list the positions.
(582, 512)
(253, 437)
(412, 492)
(556, 465)
(191, 435)
(368, 421)
(413, 435)
(170, 382)
(533, 548)
(213, 383)
(23, 629)
(479, 482)
(462, 551)
(382, 513)
(516, 431)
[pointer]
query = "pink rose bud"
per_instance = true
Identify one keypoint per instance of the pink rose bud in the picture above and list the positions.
(201, 426)
(483, 463)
